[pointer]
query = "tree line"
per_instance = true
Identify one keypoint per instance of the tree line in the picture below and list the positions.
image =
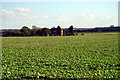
(99, 29)
(35, 31)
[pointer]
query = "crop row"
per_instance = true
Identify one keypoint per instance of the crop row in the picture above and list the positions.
(62, 60)
(14, 40)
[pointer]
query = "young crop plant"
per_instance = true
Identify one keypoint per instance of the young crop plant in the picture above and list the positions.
(67, 60)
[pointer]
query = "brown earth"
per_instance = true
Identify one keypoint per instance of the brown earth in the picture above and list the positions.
(57, 42)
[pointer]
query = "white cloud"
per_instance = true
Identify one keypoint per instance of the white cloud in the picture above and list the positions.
(17, 19)
(10, 14)
(23, 14)
(61, 18)
(26, 16)
(44, 16)
(4, 11)
(23, 9)
(108, 17)
(94, 17)
(7, 14)
(82, 15)
(93, 20)
(90, 19)
(91, 15)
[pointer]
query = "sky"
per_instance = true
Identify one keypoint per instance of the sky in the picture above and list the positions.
(81, 14)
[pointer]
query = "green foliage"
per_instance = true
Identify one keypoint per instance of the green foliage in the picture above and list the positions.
(71, 29)
(59, 30)
(45, 31)
(12, 33)
(25, 31)
(91, 60)
(34, 30)
(12, 40)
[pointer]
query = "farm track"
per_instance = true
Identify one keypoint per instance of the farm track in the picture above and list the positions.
(20, 44)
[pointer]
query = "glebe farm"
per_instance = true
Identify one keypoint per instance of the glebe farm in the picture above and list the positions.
(60, 40)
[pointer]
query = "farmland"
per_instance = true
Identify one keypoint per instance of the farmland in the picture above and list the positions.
(89, 56)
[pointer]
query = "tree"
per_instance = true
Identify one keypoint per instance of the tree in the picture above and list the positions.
(25, 31)
(12, 33)
(34, 30)
(112, 26)
(64, 33)
(17, 33)
(59, 30)
(45, 31)
(39, 32)
(71, 29)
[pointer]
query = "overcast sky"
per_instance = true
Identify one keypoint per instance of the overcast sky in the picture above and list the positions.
(80, 14)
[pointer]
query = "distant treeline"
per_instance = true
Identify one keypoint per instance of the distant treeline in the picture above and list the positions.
(99, 29)
(35, 31)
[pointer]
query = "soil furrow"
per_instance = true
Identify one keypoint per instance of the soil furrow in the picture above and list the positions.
(18, 44)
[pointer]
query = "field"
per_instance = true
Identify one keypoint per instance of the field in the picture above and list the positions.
(91, 56)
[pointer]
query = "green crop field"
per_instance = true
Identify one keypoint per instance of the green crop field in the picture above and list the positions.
(92, 56)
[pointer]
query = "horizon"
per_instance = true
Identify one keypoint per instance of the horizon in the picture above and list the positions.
(61, 28)
(15, 15)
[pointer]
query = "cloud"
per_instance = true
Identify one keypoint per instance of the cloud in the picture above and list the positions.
(82, 15)
(7, 14)
(26, 16)
(90, 19)
(11, 19)
(61, 18)
(92, 11)
(21, 15)
(4, 11)
(93, 20)
(44, 16)
(108, 17)
(93, 17)
(90, 16)
(23, 9)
